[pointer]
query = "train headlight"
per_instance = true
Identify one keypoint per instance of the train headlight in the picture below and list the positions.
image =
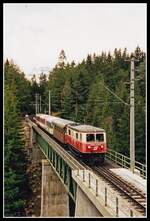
(102, 146)
(89, 147)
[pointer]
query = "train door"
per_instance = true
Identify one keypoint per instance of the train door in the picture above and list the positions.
(77, 140)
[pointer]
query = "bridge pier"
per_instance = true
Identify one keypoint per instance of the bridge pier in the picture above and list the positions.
(54, 198)
(30, 138)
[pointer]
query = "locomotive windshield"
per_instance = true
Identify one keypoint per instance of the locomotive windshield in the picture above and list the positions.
(90, 137)
(94, 137)
(99, 137)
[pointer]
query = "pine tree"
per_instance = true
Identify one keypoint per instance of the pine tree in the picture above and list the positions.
(14, 170)
(15, 77)
(140, 110)
(139, 54)
(77, 91)
(61, 60)
(68, 106)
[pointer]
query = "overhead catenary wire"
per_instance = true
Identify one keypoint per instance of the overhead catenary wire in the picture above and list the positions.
(115, 95)
(95, 101)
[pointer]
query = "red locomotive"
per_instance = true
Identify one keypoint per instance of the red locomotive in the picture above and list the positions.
(86, 141)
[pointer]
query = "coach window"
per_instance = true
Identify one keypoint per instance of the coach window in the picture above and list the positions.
(76, 135)
(69, 132)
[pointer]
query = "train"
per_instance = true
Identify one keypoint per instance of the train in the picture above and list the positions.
(85, 141)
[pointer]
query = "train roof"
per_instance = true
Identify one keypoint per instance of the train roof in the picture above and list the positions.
(59, 122)
(51, 119)
(42, 115)
(62, 122)
(86, 128)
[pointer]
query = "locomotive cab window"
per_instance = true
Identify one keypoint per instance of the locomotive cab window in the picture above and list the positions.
(99, 137)
(90, 137)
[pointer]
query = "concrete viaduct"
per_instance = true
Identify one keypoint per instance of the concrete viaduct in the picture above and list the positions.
(70, 189)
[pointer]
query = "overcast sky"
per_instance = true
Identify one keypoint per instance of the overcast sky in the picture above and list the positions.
(34, 34)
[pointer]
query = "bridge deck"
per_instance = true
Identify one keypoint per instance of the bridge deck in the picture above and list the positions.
(96, 193)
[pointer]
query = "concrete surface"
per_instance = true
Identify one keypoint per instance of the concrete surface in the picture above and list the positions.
(84, 207)
(54, 199)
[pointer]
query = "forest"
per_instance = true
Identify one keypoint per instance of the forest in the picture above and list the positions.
(79, 92)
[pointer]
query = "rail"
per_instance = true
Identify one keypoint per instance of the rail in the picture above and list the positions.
(124, 161)
(137, 196)
(118, 206)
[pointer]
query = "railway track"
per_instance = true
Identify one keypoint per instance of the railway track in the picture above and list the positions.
(134, 195)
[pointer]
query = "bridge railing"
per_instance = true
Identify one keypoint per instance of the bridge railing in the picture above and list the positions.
(106, 196)
(124, 161)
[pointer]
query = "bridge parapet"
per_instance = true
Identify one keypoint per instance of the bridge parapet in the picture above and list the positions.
(106, 200)
(124, 162)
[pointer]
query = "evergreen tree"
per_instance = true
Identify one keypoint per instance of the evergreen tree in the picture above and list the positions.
(13, 76)
(43, 91)
(139, 54)
(68, 107)
(15, 179)
(77, 93)
(140, 110)
(61, 60)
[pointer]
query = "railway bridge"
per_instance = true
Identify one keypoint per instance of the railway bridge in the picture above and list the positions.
(86, 191)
